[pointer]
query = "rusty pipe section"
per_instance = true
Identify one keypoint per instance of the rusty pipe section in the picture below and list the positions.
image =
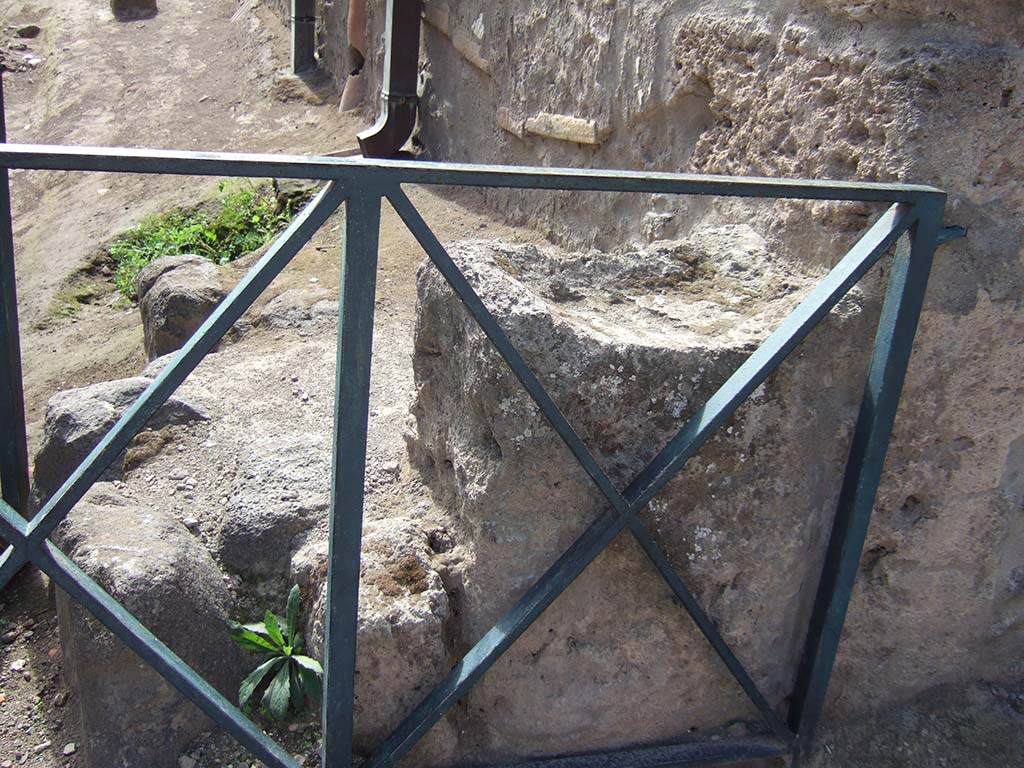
(355, 83)
(398, 94)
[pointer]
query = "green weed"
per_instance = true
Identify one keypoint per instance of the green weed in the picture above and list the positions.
(245, 218)
(293, 678)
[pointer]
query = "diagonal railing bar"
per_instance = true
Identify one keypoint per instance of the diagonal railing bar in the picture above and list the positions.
(708, 628)
(29, 542)
(12, 559)
(497, 640)
(579, 449)
(81, 588)
(879, 238)
(191, 354)
(451, 272)
(87, 593)
(13, 526)
(890, 359)
(392, 172)
(865, 252)
(536, 390)
(697, 430)
(14, 529)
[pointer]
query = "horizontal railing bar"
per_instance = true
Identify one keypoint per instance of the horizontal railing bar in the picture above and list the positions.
(767, 357)
(87, 593)
(949, 234)
(687, 753)
(191, 354)
(359, 170)
(593, 180)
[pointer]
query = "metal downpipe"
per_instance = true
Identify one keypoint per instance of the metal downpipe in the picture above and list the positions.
(398, 94)
(303, 36)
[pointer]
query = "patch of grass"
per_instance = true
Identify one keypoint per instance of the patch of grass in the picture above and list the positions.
(245, 217)
(75, 293)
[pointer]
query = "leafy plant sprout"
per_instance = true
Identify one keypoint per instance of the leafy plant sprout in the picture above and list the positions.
(294, 679)
(246, 217)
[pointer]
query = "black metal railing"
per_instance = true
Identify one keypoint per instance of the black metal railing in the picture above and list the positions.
(912, 223)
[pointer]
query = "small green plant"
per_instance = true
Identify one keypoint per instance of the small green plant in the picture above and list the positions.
(293, 678)
(246, 217)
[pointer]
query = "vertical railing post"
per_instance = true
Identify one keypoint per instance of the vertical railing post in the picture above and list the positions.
(352, 394)
(13, 440)
(889, 360)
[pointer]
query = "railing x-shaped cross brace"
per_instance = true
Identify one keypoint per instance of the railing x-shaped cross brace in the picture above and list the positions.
(362, 185)
(626, 505)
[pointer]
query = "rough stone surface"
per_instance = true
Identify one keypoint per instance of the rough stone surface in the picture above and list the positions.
(129, 10)
(166, 579)
(176, 294)
(403, 612)
(258, 526)
(629, 346)
(298, 306)
(77, 419)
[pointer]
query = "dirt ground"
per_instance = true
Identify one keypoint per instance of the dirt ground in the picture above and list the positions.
(208, 75)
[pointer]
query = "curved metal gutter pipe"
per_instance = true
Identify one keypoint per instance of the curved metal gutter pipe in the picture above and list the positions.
(398, 94)
(303, 36)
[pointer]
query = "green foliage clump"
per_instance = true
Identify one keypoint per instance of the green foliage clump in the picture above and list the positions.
(293, 678)
(246, 217)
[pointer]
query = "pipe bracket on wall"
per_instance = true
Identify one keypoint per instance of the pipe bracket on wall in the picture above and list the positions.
(398, 95)
(303, 36)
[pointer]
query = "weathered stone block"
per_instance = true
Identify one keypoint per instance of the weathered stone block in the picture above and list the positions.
(630, 345)
(401, 643)
(176, 294)
(167, 580)
(77, 419)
